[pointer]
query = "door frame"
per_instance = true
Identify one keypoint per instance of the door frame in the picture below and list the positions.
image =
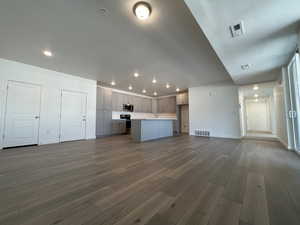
(268, 101)
(6, 104)
(293, 106)
(60, 112)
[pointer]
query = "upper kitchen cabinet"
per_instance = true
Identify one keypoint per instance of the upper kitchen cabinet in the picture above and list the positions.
(166, 105)
(141, 104)
(182, 98)
(117, 101)
(104, 98)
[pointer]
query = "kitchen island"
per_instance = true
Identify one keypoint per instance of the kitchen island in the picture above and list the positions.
(151, 129)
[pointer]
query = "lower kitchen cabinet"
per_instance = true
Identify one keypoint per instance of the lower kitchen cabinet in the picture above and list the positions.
(104, 123)
(118, 126)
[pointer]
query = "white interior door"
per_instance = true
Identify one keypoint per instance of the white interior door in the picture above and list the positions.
(22, 115)
(184, 119)
(293, 87)
(258, 115)
(73, 116)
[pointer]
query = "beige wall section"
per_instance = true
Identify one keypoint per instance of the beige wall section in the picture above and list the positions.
(215, 108)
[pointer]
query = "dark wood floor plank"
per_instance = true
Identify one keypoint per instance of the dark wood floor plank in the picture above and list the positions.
(255, 207)
(182, 180)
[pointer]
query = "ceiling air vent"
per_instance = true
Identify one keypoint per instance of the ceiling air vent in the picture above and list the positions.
(237, 29)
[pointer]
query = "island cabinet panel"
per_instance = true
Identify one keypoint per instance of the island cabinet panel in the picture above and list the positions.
(151, 129)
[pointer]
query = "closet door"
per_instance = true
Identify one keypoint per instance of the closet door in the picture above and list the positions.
(22, 114)
(293, 86)
(73, 116)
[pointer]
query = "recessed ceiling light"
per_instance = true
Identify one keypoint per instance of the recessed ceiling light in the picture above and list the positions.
(113, 83)
(177, 89)
(144, 91)
(256, 96)
(256, 100)
(136, 75)
(142, 10)
(255, 87)
(130, 87)
(47, 53)
(154, 81)
(245, 67)
(155, 93)
(168, 86)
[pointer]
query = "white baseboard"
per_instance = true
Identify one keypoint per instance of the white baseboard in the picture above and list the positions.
(284, 144)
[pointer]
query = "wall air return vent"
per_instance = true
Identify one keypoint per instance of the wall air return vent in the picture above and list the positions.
(237, 29)
(202, 133)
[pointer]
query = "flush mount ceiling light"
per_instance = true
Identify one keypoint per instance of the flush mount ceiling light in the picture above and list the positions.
(130, 87)
(113, 83)
(144, 91)
(154, 81)
(47, 53)
(155, 93)
(136, 75)
(256, 96)
(142, 10)
(103, 11)
(177, 89)
(245, 67)
(255, 87)
(168, 86)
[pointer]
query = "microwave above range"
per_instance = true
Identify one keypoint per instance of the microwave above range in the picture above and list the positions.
(128, 107)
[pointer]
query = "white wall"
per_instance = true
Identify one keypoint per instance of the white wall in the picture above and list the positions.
(215, 108)
(52, 83)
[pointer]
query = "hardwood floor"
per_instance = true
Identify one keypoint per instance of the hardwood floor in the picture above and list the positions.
(182, 180)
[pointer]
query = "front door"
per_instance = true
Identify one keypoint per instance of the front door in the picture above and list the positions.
(73, 116)
(22, 115)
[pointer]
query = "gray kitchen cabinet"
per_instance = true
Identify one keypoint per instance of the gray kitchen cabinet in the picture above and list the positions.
(182, 99)
(107, 98)
(138, 103)
(118, 126)
(104, 112)
(130, 99)
(104, 122)
(120, 102)
(166, 105)
(119, 99)
(147, 105)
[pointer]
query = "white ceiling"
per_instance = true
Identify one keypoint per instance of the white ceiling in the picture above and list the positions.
(170, 45)
(269, 42)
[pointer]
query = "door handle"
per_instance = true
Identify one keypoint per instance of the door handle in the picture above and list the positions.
(83, 119)
(36, 117)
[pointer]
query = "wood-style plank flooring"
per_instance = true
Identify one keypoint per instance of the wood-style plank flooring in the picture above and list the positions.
(176, 181)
